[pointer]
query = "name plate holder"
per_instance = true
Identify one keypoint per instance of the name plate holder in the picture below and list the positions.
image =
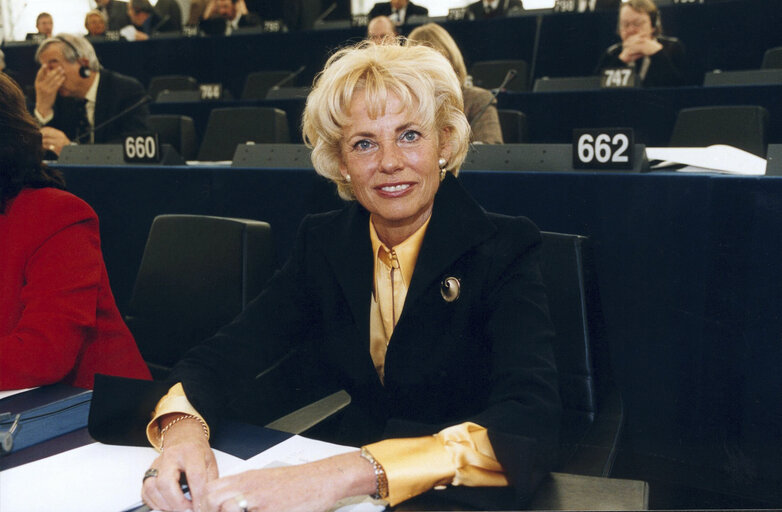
(619, 78)
(604, 149)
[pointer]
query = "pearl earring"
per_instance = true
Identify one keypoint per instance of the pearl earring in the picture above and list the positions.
(442, 163)
(347, 178)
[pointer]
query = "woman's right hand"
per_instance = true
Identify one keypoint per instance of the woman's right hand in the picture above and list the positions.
(185, 450)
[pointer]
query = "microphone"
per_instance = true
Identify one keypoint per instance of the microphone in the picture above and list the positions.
(160, 23)
(325, 13)
(510, 75)
(143, 101)
(288, 78)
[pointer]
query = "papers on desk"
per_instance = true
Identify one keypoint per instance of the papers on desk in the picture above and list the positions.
(718, 158)
(12, 392)
(104, 478)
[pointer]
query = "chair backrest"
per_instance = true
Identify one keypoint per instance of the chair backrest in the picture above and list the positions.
(284, 93)
(489, 74)
(743, 126)
(772, 59)
(171, 83)
(567, 83)
(257, 84)
(228, 127)
(582, 360)
(197, 273)
(745, 77)
(513, 124)
(179, 131)
(168, 96)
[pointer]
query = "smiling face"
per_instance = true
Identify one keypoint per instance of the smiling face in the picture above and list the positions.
(392, 161)
(632, 22)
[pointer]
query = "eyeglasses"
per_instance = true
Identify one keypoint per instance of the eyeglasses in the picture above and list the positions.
(638, 23)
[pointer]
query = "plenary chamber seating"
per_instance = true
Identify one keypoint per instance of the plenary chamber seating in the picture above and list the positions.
(741, 126)
(257, 84)
(489, 74)
(772, 59)
(567, 83)
(513, 124)
(158, 84)
(179, 131)
(229, 127)
(197, 273)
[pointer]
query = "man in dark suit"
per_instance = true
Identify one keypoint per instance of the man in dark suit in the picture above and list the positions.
(147, 20)
(228, 16)
(399, 11)
(116, 11)
(483, 9)
(75, 96)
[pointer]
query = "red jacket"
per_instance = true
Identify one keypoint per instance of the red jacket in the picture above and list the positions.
(58, 319)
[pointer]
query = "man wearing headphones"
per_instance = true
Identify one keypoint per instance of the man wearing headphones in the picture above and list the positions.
(76, 101)
(659, 61)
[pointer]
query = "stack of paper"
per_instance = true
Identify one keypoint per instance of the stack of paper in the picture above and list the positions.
(718, 158)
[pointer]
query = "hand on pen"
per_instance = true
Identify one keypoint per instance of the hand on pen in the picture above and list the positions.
(185, 450)
(311, 487)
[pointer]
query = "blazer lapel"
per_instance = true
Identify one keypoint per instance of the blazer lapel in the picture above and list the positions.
(443, 244)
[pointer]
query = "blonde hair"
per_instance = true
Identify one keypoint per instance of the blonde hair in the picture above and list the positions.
(437, 37)
(420, 77)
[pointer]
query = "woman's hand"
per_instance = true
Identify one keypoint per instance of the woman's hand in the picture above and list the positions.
(638, 46)
(312, 487)
(185, 450)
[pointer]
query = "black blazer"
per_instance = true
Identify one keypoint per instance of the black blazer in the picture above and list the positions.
(666, 68)
(116, 92)
(485, 357)
(475, 10)
(384, 9)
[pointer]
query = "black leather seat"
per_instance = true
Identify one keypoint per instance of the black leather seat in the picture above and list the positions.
(743, 126)
(179, 131)
(229, 127)
(489, 74)
(197, 273)
(513, 124)
(257, 84)
(157, 84)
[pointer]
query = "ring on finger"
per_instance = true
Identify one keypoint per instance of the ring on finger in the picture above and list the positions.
(150, 473)
(241, 502)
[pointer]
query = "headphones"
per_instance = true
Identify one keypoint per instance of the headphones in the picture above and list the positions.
(84, 71)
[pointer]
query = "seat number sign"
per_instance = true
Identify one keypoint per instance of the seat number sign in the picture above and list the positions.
(603, 148)
(142, 148)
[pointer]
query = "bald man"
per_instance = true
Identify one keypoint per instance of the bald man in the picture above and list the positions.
(381, 30)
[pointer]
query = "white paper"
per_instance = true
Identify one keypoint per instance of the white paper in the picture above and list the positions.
(11, 392)
(717, 158)
(93, 478)
(128, 32)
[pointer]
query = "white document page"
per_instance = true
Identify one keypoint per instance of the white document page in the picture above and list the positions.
(718, 158)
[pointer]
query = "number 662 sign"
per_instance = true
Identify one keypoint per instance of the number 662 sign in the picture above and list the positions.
(603, 148)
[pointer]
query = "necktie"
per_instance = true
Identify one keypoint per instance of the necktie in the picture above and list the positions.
(84, 124)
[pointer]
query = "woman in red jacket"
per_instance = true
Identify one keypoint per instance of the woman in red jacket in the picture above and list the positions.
(58, 319)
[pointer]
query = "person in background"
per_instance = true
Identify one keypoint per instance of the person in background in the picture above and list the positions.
(116, 11)
(399, 11)
(381, 29)
(428, 310)
(486, 9)
(44, 24)
(95, 23)
(221, 17)
(659, 61)
(147, 21)
(480, 106)
(74, 96)
(58, 319)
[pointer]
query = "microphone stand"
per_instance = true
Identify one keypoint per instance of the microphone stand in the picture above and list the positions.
(510, 75)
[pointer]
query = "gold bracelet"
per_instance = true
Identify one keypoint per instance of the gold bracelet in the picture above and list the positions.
(177, 420)
(381, 486)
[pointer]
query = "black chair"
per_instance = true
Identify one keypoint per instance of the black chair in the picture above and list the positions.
(772, 59)
(179, 131)
(744, 127)
(285, 93)
(157, 84)
(229, 127)
(568, 83)
(489, 74)
(257, 84)
(513, 124)
(197, 273)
